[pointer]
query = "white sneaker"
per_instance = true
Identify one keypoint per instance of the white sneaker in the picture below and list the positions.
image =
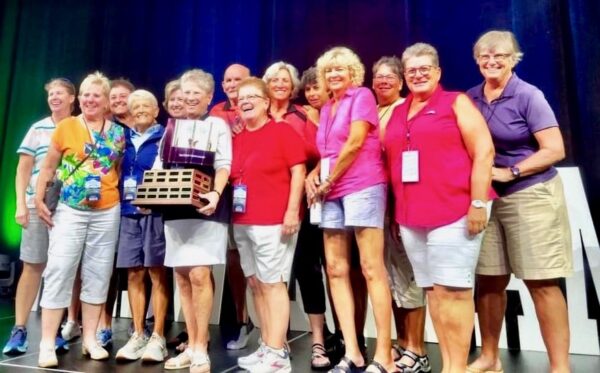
(242, 340)
(248, 361)
(273, 361)
(133, 349)
(70, 331)
(156, 349)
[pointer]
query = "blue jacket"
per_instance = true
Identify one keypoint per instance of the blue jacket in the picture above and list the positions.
(135, 163)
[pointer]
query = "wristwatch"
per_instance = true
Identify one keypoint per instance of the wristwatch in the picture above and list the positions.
(478, 204)
(515, 171)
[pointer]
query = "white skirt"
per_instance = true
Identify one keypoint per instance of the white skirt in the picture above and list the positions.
(195, 242)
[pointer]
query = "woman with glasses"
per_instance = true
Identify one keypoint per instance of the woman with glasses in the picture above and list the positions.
(439, 156)
(528, 233)
(267, 176)
(351, 182)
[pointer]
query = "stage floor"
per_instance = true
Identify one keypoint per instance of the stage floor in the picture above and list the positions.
(223, 360)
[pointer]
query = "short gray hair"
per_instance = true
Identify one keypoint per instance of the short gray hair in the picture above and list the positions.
(495, 38)
(274, 69)
(201, 78)
(141, 95)
(390, 61)
(421, 49)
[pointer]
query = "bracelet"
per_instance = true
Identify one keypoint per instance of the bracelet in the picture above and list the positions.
(216, 191)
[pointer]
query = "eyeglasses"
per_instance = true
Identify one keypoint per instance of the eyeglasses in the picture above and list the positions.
(423, 70)
(386, 78)
(250, 98)
(499, 57)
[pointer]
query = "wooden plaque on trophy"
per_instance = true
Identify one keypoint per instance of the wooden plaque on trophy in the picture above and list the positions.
(172, 187)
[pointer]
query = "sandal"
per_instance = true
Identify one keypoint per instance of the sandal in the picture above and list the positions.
(421, 363)
(380, 368)
(397, 352)
(200, 363)
(347, 366)
(319, 359)
(478, 370)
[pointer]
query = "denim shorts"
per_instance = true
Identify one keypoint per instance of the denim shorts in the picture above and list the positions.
(362, 209)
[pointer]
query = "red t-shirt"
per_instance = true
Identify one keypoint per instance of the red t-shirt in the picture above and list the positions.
(296, 117)
(261, 161)
(443, 193)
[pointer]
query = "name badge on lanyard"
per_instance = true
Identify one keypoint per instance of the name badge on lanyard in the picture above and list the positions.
(410, 166)
(92, 188)
(325, 168)
(129, 188)
(240, 195)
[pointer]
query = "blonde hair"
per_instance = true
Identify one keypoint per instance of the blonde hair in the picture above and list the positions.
(141, 95)
(419, 50)
(201, 78)
(495, 38)
(170, 88)
(341, 56)
(274, 69)
(95, 78)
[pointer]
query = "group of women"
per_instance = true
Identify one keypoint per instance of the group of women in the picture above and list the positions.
(433, 169)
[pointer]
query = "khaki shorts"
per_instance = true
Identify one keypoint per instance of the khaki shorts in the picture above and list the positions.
(529, 234)
(405, 291)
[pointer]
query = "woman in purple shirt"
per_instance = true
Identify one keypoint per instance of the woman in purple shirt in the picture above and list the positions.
(528, 232)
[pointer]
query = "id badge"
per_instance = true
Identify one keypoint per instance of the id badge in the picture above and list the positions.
(410, 166)
(129, 188)
(92, 188)
(240, 193)
(325, 168)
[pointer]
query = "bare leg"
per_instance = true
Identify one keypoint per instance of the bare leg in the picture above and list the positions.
(27, 289)
(202, 295)
(137, 296)
(337, 243)
(370, 245)
(160, 298)
(50, 323)
(107, 308)
(277, 313)
(410, 328)
(491, 305)
(75, 306)
(551, 310)
(90, 314)
(360, 297)
(456, 313)
(187, 305)
(317, 322)
(434, 310)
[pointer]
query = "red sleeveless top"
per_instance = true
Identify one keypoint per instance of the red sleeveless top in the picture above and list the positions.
(443, 193)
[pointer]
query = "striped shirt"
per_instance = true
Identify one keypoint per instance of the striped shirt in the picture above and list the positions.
(35, 144)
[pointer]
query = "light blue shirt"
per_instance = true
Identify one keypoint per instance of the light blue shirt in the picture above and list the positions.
(137, 139)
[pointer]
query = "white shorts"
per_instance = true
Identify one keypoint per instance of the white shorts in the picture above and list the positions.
(445, 255)
(34, 240)
(88, 237)
(264, 252)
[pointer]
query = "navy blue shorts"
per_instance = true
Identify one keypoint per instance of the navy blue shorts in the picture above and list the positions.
(141, 242)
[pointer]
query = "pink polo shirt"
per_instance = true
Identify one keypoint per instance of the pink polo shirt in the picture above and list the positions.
(358, 103)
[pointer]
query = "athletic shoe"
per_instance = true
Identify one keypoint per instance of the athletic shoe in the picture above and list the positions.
(133, 349)
(60, 345)
(156, 349)
(242, 340)
(70, 331)
(273, 361)
(47, 358)
(17, 343)
(247, 362)
(104, 337)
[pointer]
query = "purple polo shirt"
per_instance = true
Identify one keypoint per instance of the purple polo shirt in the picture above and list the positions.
(513, 118)
(358, 103)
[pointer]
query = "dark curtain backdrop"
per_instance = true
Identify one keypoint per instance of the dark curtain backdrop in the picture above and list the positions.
(151, 42)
